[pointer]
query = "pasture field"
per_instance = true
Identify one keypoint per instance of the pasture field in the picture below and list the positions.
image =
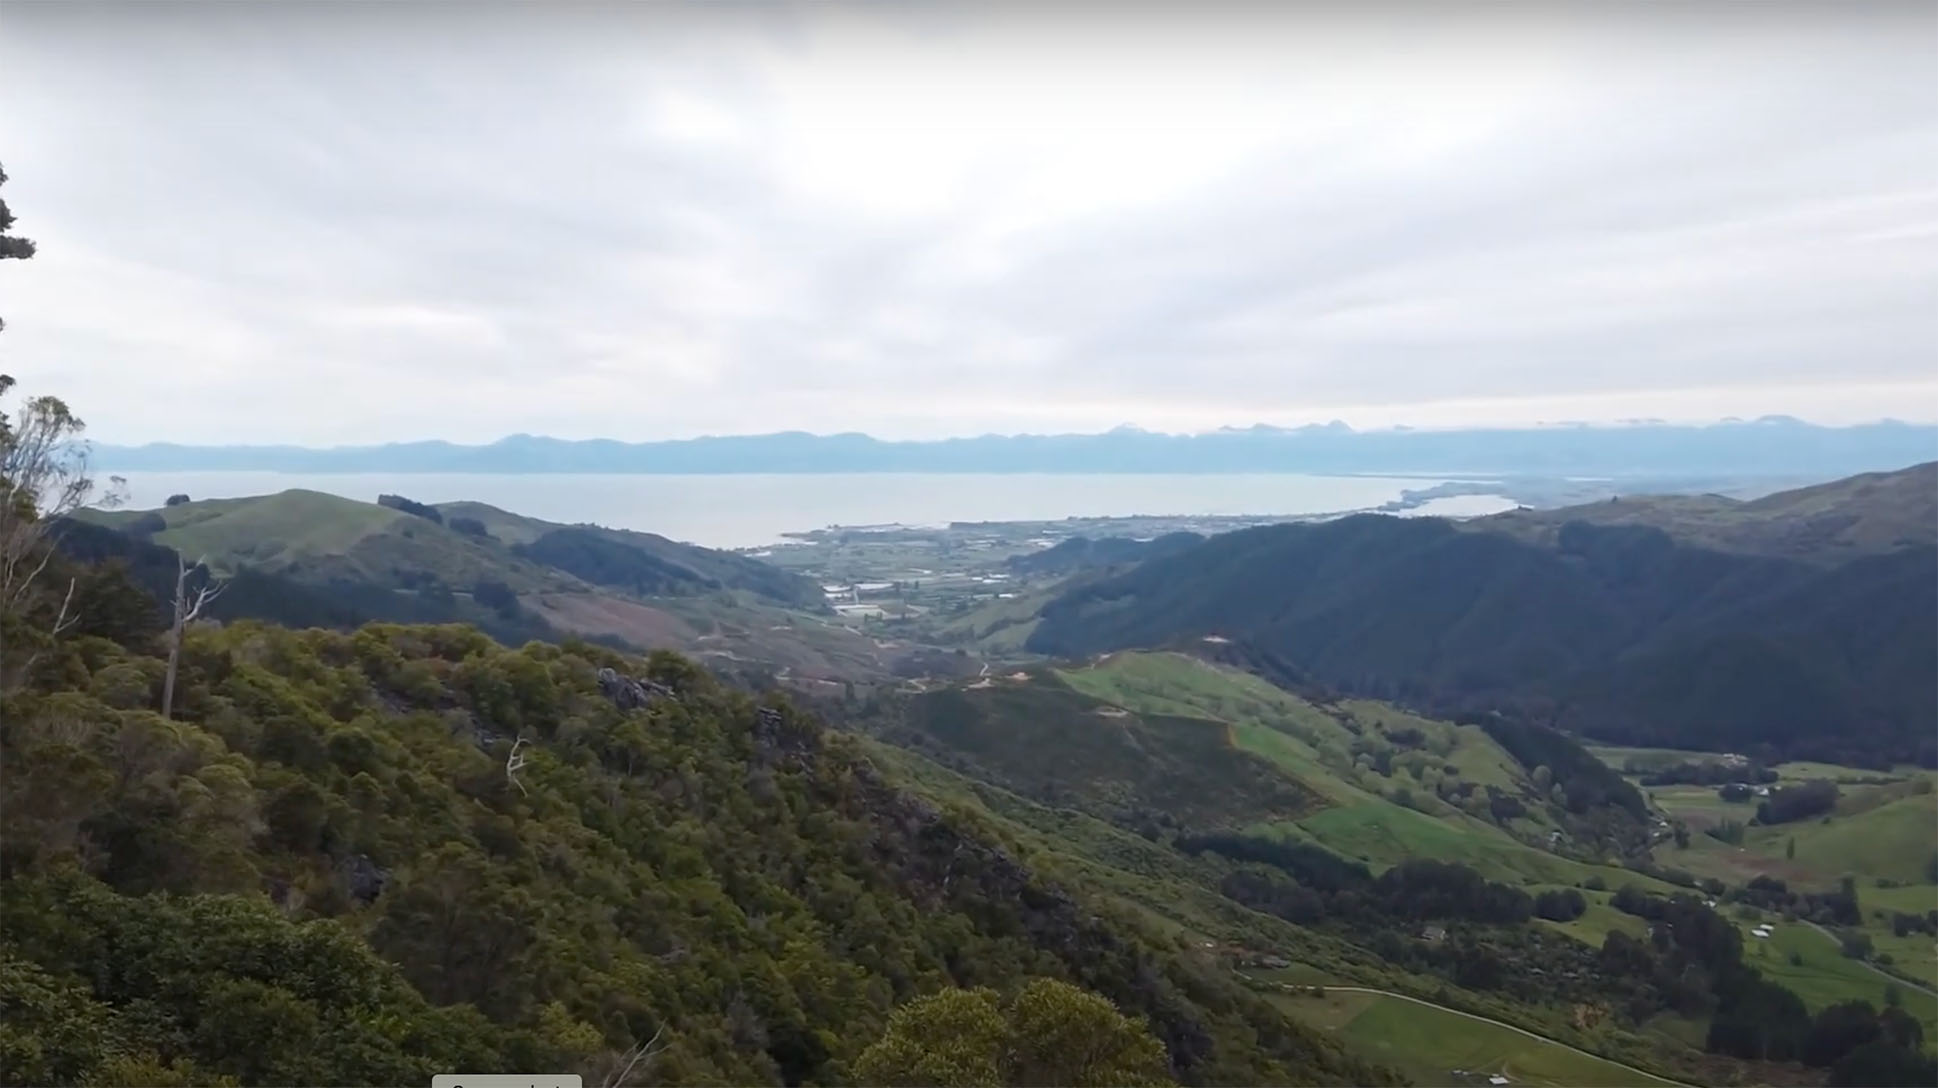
(1600, 919)
(1814, 967)
(1885, 825)
(1311, 744)
(1429, 1043)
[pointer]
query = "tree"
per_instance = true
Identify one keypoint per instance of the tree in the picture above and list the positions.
(950, 1039)
(1069, 1036)
(1050, 1034)
(187, 610)
(43, 478)
(1878, 1064)
(11, 247)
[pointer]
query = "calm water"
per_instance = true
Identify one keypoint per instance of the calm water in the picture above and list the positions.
(751, 510)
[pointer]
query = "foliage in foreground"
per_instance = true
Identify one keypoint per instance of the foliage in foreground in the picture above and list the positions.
(1051, 1033)
(322, 872)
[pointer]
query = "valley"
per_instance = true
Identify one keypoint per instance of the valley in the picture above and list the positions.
(1476, 893)
(856, 545)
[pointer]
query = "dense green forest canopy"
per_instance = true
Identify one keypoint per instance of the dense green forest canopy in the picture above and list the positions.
(367, 858)
(1616, 631)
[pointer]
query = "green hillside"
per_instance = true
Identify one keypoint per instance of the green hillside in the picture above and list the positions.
(1429, 1044)
(330, 870)
(1397, 786)
(1617, 632)
(323, 538)
(644, 564)
(1870, 514)
(1031, 733)
(1146, 871)
(306, 558)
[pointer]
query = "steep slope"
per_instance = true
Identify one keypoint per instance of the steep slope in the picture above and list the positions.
(1031, 733)
(642, 563)
(332, 870)
(1615, 630)
(1829, 523)
(1097, 767)
(1082, 553)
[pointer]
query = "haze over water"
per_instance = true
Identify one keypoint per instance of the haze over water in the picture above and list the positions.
(730, 511)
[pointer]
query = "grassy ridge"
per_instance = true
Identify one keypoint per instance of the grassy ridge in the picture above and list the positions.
(1310, 745)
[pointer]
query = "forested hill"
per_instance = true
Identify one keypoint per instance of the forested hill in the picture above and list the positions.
(1830, 523)
(1619, 632)
(375, 857)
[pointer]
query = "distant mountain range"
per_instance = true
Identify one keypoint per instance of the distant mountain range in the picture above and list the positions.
(1772, 446)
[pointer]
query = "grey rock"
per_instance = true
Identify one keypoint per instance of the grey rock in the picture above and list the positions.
(364, 879)
(630, 693)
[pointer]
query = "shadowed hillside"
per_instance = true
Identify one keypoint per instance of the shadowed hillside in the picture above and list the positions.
(1082, 553)
(1617, 631)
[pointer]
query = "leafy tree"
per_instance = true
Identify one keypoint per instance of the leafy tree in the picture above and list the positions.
(12, 247)
(951, 1039)
(1050, 1034)
(1560, 904)
(44, 477)
(1064, 1035)
(1799, 802)
(1882, 1065)
(1838, 1030)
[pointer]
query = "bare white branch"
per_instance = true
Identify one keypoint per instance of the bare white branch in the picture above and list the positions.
(65, 619)
(645, 1051)
(515, 763)
(186, 612)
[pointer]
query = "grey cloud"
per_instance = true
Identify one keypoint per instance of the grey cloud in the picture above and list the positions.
(353, 223)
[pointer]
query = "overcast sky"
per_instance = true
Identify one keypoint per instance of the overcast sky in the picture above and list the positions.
(367, 223)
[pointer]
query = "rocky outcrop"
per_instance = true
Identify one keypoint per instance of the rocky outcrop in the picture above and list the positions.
(779, 739)
(631, 693)
(364, 880)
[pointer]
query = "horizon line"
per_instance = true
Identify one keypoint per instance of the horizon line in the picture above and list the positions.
(1332, 427)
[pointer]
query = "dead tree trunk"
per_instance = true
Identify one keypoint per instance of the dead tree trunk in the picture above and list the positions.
(186, 612)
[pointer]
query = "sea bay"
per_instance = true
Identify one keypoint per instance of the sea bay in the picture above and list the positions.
(751, 510)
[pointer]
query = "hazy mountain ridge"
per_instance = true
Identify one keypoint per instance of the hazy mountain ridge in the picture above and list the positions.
(1767, 447)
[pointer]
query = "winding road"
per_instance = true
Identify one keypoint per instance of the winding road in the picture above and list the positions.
(1875, 969)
